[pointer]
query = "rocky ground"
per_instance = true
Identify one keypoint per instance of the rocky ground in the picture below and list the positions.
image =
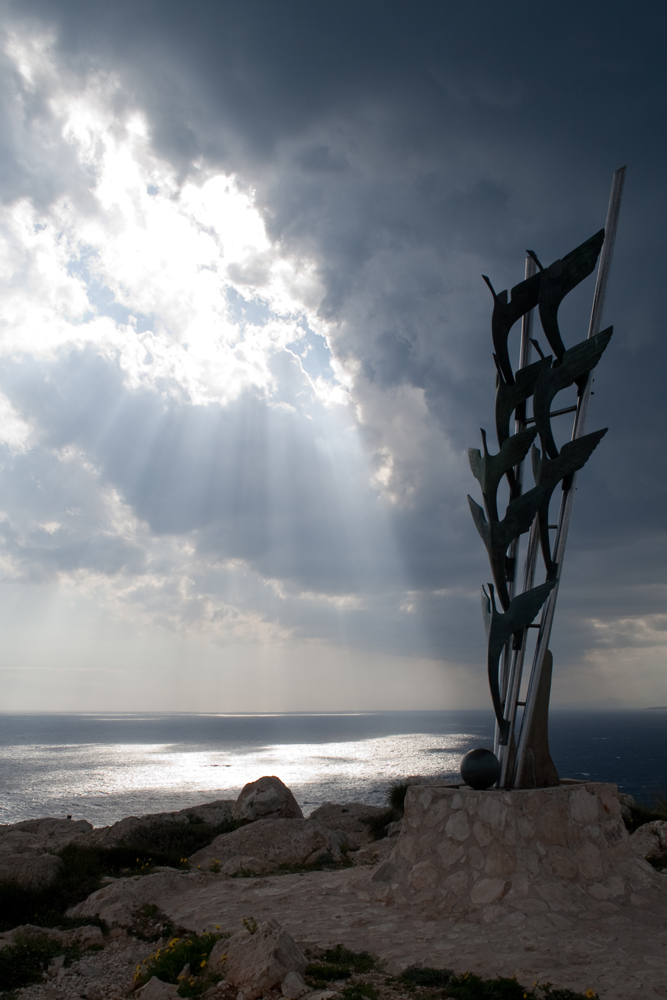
(617, 949)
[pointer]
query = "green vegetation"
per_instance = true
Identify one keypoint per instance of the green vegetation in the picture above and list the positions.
(396, 795)
(340, 963)
(168, 964)
(169, 842)
(640, 814)
(158, 843)
(431, 978)
(360, 991)
(471, 987)
(27, 958)
(378, 824)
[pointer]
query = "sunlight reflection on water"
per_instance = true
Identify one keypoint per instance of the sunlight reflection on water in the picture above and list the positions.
(105, 782)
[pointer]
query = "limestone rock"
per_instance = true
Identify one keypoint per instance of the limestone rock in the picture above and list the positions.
(266, 798)
(86, 937)
(155, 989)
(32, 871)
(349, 819)
(650, 840)
(373, 853)
(123, 831)
(218, 956)
(294, 986)
(49, 833)
(627, 805)
(121, 902)
(242, 863)
(259, 961)
(89, 936)
(271, 842)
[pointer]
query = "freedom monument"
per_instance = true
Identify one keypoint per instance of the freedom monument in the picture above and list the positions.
(513, 601)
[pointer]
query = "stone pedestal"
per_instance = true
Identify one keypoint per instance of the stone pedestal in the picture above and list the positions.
(491, 854)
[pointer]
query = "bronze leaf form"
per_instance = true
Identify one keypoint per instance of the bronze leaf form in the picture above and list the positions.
(511, 395)
(560, 278)
(499, 628)
(577, 361)
(573, 457)
(498, 535)
(525, 297)
(488, 469)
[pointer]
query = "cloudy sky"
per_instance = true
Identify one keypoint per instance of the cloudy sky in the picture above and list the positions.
(245, 344)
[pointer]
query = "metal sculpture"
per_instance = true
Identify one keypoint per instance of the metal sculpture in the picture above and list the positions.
(523, 751)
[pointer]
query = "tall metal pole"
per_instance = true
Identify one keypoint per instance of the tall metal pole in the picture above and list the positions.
(567, 500)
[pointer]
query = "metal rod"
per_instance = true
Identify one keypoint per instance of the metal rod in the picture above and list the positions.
(555, 413)
(567, 499)
(507, 765)
(520, 421)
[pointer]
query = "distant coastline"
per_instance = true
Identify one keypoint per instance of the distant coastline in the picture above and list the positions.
(657, 708)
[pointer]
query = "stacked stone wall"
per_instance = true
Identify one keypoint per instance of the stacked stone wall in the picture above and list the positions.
(490, 854)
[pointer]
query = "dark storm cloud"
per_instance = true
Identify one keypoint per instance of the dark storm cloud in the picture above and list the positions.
(406, 149)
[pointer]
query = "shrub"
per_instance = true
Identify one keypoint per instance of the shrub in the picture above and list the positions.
(158, 843)
(396, 795)
(356, 961)
(341, 963)
(360, 991)
(167, 963)
(378, 824)
(640, 814)
(168, 842)
(24, 961)
(471, 987)
(433, 978)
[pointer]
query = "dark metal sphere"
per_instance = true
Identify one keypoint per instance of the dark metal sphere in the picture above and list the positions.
(480, 768)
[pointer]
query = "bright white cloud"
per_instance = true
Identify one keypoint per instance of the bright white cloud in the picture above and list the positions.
(133, 306)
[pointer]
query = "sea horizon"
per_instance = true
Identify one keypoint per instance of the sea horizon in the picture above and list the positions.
(103, 766)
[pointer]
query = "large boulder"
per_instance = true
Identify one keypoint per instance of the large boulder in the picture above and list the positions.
(126, 829)
(352, 819)
(32, 870)
(270, 843)
(650, 840)
(258, 958)
(49, 833)
(266, 798)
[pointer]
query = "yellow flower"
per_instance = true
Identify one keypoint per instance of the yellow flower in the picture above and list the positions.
(590, 994)
(202, 964)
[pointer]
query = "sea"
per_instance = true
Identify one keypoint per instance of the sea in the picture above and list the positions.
(103, 767)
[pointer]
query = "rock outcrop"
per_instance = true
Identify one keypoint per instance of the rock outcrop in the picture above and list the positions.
(351, 819)
(650, 840)
(267, 844)
(266, 798)
(88, 936)
(28, 849)
(48, 834)
(258, 958)
(126, 829)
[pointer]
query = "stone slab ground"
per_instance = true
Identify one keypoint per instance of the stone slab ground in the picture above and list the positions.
(539, 884)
